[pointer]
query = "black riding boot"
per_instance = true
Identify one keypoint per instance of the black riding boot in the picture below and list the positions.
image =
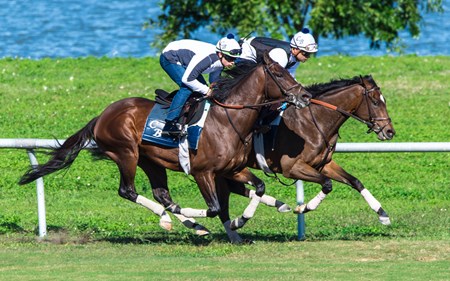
(171, 128)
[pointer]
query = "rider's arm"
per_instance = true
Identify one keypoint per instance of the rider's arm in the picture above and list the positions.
(197, 67)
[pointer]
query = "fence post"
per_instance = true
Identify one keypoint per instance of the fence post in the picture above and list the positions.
(300, 217)
(40, 197)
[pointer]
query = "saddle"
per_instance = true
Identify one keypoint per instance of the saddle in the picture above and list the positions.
(192, 109)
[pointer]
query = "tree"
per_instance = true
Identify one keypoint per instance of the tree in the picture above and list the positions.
(378, 20)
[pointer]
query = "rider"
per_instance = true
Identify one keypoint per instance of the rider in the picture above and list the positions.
(288, 55)
(185, 61)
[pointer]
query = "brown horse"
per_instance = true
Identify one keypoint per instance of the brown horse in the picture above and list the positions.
(306, 139)
(222, 150)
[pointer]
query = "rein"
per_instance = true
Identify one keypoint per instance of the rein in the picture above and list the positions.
(335, 108)
(232, 106)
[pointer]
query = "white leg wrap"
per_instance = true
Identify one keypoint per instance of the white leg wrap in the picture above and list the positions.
(314, 203)
(149, 204)
(373, 203)
(184, 220)
(265, 199)
(251, 208)
(193, 213)
(232, 235)
(191, 223)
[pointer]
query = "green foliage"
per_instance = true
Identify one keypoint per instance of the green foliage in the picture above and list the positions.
(379, 21)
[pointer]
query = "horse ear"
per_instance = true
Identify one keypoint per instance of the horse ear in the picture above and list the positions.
(267, 58)
(364, 81)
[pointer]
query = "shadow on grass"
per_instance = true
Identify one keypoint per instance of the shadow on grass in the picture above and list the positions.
(192, 239)
(60, 235)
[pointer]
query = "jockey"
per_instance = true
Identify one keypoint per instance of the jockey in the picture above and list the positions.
(185, 61)
(288, 55)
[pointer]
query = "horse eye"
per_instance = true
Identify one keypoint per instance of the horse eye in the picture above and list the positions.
(375, 98)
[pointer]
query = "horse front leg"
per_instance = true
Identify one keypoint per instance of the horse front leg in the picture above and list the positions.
(206, 184)
(240, 189)
(245, 176)
(223, 192)
(336, 172)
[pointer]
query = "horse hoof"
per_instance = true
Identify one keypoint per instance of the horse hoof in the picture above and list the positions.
(233, 224)
(200, 230)
(385, 220)
(165, 225)
(284, 208)
(238, 223)
(300, 209)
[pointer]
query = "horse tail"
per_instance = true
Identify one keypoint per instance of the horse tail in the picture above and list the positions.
(63, 155)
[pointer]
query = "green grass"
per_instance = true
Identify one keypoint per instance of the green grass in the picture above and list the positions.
(95, 234)
(379, 260)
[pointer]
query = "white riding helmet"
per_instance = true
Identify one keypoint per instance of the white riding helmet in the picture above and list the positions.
(279, 55)
(303, 40)
(229, 46)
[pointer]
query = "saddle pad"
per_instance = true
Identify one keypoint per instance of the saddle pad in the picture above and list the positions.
(155, 123)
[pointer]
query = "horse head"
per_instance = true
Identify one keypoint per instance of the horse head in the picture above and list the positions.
(373, 108)
(282, 83)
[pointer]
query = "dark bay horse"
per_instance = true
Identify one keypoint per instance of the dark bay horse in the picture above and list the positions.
(306, 139)
(222, 150)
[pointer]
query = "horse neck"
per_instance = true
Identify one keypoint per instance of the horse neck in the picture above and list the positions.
(322, 120)
(348, 98)
(251, 91)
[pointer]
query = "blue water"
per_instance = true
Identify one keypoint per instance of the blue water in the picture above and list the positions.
(114, 28)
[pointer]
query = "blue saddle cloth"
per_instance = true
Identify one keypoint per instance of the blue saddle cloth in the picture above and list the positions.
(155, 123)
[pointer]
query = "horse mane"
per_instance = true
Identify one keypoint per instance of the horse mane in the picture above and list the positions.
(231, 78)
(319, 88)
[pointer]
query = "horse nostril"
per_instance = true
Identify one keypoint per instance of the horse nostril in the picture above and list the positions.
(390, 134)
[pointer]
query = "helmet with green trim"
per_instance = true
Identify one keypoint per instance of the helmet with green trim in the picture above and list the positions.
(229, 46)
(303, 40)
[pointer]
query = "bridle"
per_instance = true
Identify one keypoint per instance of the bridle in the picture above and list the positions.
(372, 122)
(290, 98)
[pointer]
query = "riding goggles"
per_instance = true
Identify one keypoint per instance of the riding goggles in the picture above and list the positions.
(305, 54)
(233, 53)
(229, 58)
(311, 48)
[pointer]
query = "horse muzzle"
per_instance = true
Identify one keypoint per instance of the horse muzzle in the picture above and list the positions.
(385, 132)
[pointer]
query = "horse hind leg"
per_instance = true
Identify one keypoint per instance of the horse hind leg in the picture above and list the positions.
(271, 202)
(314, 203)
(127, 164)
(157, 177)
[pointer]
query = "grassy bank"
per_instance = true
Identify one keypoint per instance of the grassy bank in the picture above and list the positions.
(54, 98)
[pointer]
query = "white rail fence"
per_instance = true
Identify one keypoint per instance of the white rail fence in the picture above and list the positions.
(31, 144)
